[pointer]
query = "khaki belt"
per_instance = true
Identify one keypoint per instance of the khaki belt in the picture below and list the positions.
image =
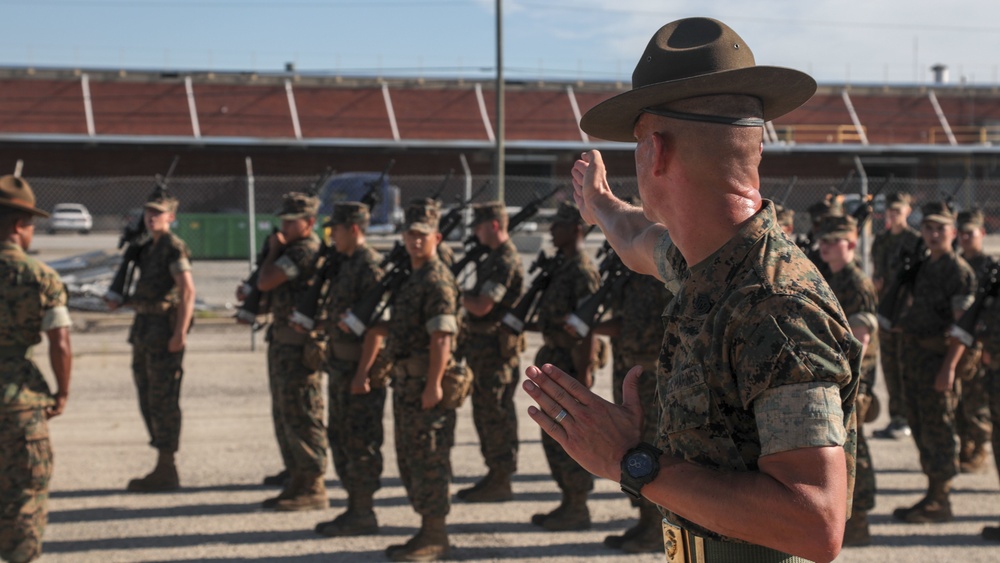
(10, 352)
(158, 308)
(681, 546)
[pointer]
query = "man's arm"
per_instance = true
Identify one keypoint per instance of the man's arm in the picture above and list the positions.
(631, 234)
(478, 305)
(440, 352)
(61, 360)
(795, 502)
(185, 311)
(271, 276)
(371, 344)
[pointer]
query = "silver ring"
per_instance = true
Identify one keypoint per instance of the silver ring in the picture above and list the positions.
(562, 414)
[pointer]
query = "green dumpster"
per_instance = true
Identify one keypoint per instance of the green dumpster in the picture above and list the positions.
(221, 236)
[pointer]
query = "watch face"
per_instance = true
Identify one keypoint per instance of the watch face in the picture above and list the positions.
(639, 464)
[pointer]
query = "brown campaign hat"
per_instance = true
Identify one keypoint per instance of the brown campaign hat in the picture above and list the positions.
(568, 212)
(296, 205)
(349, 212)
(422, 215)
(938, 212)
(897, 200)
(690, 58)
(161, 200)
(971, 220)
(16, 193)
(838, 227)
(488, 211)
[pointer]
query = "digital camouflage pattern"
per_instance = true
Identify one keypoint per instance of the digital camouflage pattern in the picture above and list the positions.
(493, 355)
(942, 287)
(988, 333)
(972, 416)
(573, 281)
(757, 357)
(426, 302)
(158, 262)
(29, 291)
(296, 390)
(857, 296)
(354, 427)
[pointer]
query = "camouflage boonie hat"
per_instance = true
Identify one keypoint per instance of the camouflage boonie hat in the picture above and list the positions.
(349, 212)
(971, 220)
(16, 194)
(938, 212)
(422, 215)
(835, 227)
(296, 205)
(898, 200)
(568, 212)
(162, 200)
(488, 211)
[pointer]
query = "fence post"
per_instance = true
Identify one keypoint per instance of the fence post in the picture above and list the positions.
(252, 233)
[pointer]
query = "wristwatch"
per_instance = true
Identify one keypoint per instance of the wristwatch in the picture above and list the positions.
(639, 466)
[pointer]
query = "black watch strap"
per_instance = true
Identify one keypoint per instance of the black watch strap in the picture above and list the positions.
(640, 465)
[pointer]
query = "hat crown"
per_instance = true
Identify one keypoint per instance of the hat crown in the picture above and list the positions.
(424, 213)
(688, 48)
(15, 189)
(353, 212)
(567, 212)
(937, 210)
(488, 211)
(298, 204)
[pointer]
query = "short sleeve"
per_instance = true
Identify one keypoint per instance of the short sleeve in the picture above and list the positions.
(288, 266)
(803, 415)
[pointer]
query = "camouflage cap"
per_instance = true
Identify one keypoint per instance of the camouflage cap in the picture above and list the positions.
(488, 211)
(830, 205)
(162, 200)
(938, 212)
(422, 215)
(16, 193)
(349, 212)
(897, 200)
(785, 216)
(834, 227)
(297, 205)
(971, 220)
(568, 212)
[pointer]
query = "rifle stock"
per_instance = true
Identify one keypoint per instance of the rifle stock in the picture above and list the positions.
(249, 310)
(615, 274)
(965, 329)
(520, 315)
(888, 307)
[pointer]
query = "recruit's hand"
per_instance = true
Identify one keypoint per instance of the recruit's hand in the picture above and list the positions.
(590, 182)
(431, 396)
(359, 384)
(176, 343)
(944, 380)
(57, 409)
(594, 432)
(111, 305)
(241, 292)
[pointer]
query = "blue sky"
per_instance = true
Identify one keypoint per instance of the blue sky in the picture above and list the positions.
(837, 41)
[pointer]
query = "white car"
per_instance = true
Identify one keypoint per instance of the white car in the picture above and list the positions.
(70, 217)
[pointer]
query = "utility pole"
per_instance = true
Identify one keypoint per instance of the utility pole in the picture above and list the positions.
(500, 160)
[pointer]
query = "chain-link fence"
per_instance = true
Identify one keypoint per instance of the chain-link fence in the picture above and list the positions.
(213, 215)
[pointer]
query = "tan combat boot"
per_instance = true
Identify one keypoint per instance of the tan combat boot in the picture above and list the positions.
(648, 538)
(937, 507)
(430, 543)
(572, 514)
(358, 520)
(975, 461)
(311, 495)
(856, 532)
(292, 486)
(495, 487)
(162, 478)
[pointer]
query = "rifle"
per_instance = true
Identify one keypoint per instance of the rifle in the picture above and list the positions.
(522, 312)
(315, 297)
(864, 211)
(614, 275)
(888, 308)
(134, 238)
(965, 329)
(250, 308)
(476, 251)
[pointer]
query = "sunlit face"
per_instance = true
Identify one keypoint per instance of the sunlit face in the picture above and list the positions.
(896, 216)
(482, 231)
(937, 236)
(296, 229)
(421, 246)
(344, 237)
(644, 160)
(835, 251)
(157, 221)
(971, 240)
(563, 234)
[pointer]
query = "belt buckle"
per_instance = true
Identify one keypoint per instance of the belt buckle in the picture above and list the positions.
(673, 543)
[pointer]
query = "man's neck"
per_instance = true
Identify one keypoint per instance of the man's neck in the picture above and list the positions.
(570, 250)
(897, 228)
(501, 238)
(706, 225)
(972, 252)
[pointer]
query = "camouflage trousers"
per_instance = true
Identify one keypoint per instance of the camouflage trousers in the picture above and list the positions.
(931, 414)
(891, 356)
(864, 476)
(568, 474)
(354, 429)
(297, 409)
(647, 395)
(495, 381)
(993, 389)
(157, 373)
(424, 439)
(25, 469)
(972, 417)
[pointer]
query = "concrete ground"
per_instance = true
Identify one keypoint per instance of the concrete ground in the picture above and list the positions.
(227, 446)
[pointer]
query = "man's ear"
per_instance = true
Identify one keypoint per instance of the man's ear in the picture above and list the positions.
(439, 237)
(662, 152)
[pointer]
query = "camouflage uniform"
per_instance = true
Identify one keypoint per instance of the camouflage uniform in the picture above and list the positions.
(887, 261)
(355, 421)
(156, 370)
(575, 279)
(941, 287)
(493, 354)
(425, 303)
(757, 357)
(972, 416)
(296, 390)
(34, 301)
(988, 332)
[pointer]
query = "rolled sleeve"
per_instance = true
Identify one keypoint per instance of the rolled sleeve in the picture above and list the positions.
(442, 323)
(495, 291)
(803, 415)
(288, 266)
(180, 266)
(867, 320)
(961, 303)
(56, 317)
(665, 266)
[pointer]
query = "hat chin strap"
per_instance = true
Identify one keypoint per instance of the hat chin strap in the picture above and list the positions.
(723, 120)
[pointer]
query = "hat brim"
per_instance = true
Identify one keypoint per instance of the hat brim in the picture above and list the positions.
(780, 90)
(290, 216)
(424, 228)
(24, 207)
(938, 219)
(159, 207)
